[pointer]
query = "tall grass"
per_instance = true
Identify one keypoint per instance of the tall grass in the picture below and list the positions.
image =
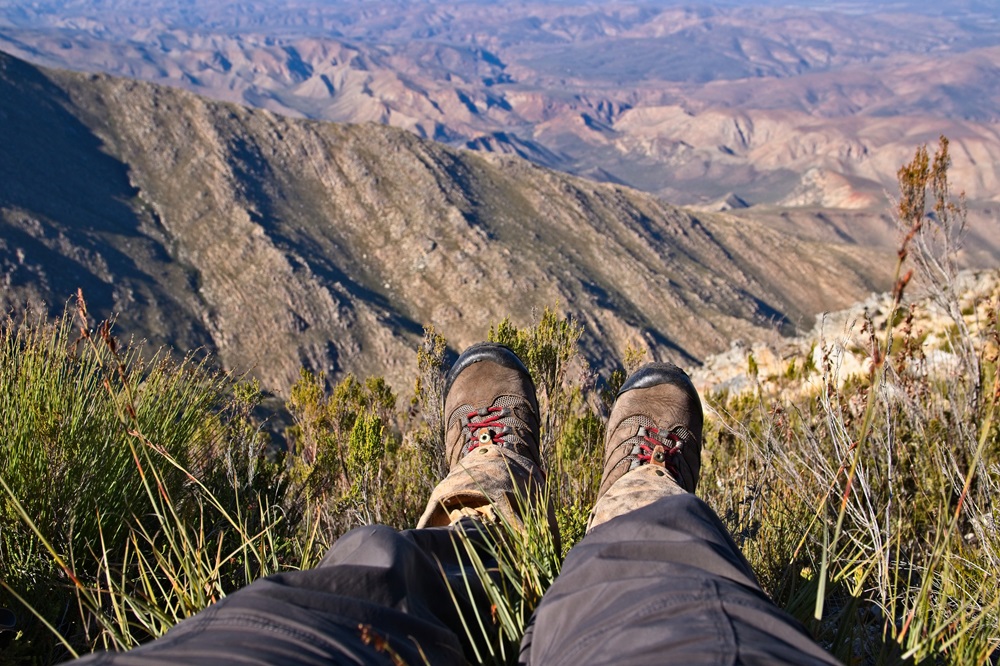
(866, 506)
(866, 501)
(132, 490)
(516, 563)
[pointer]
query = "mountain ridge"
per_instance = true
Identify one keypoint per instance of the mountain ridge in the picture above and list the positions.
(278, 243)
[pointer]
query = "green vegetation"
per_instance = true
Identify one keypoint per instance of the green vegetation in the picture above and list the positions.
(132, 492)
(527, 560)
(135, 492)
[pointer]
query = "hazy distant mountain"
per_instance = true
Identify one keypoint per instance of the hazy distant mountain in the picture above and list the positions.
(279, 243)
(795, 104)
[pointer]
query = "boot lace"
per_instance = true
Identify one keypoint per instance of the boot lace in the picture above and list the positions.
(487, 428)
(660, 448)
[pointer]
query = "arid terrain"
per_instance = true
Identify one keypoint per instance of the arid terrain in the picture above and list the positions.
(808, 105)
(277, 241)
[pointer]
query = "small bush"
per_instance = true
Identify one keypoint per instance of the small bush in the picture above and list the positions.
(88, 426)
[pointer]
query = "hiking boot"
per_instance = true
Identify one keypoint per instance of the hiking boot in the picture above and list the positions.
(491, 439)
(653, 443)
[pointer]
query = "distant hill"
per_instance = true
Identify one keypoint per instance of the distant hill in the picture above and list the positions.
(795, 104)
(278, 243)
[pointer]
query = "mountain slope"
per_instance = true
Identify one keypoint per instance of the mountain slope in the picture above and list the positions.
(278, 242)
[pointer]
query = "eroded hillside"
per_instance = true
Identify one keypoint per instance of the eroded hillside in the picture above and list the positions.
(278, 243)
(791, 104)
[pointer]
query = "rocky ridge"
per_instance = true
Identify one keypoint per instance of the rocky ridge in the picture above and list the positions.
(840, 339)
(279, 243)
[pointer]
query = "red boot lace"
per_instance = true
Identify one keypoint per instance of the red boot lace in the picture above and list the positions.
(653, 440)
(488, 430)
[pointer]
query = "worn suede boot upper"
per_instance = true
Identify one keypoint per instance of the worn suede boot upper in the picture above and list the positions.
(653, 444)
(491, 438)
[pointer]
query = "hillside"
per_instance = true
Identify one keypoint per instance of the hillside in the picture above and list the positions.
(278, 243)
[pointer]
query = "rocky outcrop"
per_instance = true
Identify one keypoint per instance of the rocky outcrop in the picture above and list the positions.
(838, 348)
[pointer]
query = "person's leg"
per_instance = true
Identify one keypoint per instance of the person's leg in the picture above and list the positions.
(658, 579)
(377, 593)
(381, 596)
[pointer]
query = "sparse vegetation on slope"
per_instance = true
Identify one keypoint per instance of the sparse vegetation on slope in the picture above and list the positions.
(278, 243)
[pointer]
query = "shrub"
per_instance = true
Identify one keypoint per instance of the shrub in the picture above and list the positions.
(88, 426)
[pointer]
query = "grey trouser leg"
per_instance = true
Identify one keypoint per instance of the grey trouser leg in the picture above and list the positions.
(662, 584)
(373, 576)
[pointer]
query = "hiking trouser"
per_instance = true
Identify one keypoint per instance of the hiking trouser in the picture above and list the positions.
(661, 584)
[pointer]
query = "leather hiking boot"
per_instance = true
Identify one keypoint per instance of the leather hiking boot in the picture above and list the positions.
(491, 439)
(653, 444)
